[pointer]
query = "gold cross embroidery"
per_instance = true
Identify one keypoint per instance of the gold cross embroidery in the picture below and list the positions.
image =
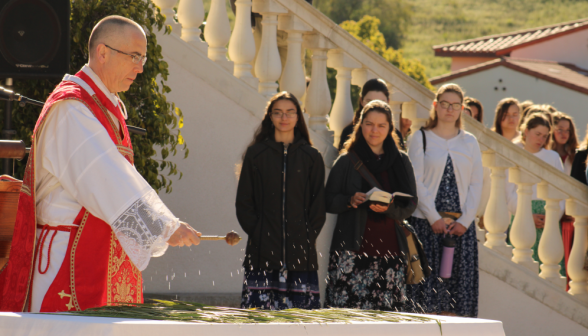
(68, 305)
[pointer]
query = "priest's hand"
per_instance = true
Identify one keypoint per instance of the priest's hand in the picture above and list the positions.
(185, 235)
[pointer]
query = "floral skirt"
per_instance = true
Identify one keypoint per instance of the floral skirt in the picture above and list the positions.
(277, 290)
(458, 294)
(362, 282)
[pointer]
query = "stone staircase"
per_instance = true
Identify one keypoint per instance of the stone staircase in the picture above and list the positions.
(223, 101)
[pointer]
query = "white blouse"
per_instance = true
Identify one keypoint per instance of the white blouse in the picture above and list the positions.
(429, 166)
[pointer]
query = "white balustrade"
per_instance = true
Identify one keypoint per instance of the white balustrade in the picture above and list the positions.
(293, 78)
(496, 217)
(268, 66)
(167, 9)
(410, 111)
(575, 267)
(318, 97)
(242, 43)
(218, 33)
(191, 16)
(551, 249)
(342, 111)
(361, 75)
(397, 99)
(523, 232)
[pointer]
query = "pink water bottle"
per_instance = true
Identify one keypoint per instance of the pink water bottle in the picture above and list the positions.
(449, 244)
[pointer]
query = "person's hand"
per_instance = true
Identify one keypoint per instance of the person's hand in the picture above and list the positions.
(439, 227)
(357, 199)
(185, 235)
(539, 221)
(379, 207)
(481, 223)
(457, 229)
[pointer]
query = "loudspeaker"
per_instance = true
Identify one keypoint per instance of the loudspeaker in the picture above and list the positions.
(34, 38)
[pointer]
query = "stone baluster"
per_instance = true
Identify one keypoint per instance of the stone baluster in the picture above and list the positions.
(293, 78)
(167, 9)
(397, 99)
(523, 232)
(318, 97)
(361, 75)
(268, 66)
(496, 216)
(191, 16)
(218, 33)
(342, 111)
(242, 44)
(575, 267)
(411, 111)
(551, 249)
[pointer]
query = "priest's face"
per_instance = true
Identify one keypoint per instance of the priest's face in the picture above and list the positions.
(126, 62)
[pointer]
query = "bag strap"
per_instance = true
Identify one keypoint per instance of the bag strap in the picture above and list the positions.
(424, 140)
(363, 171)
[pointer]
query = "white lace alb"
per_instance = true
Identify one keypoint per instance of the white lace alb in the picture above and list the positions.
(144, 229)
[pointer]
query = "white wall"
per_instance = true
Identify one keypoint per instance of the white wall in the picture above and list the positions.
(570, 48)
(510, 83)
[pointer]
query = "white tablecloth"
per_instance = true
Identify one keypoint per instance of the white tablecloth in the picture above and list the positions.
(17, 324)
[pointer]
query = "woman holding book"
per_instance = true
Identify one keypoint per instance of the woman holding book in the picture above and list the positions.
(281, 206)
(448, 170)
(367, 264)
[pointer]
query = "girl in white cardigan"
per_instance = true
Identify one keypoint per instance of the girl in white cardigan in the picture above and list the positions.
(448, 171)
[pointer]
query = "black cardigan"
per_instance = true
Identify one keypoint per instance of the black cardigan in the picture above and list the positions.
(579, 166)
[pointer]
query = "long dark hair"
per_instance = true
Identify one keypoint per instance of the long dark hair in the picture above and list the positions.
(471, 101)
(374, 84)
(501, 110)
(373, 106)
(266, 129)
(572, 144)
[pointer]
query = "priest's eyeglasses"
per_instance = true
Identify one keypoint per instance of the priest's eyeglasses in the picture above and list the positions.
(445, 105)
(134, 57)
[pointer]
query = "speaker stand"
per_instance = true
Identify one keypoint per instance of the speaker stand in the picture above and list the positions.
(7, 132)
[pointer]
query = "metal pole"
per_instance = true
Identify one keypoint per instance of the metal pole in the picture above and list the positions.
(7, 132)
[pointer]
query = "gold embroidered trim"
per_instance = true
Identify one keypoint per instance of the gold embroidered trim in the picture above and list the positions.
(107, 115)
(72, 255)
(25, 189)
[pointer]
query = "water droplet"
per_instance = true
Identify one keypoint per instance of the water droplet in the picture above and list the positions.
(184, 274)
(231, 274)
(198, 272)
(213, 282)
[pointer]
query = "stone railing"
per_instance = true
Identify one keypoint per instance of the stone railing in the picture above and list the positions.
(258, 62)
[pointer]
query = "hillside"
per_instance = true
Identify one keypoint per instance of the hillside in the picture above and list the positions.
(442, 21)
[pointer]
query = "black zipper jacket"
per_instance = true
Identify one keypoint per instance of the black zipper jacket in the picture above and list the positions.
(281, 188)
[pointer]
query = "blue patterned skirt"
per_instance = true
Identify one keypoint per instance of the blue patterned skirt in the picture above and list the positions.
(277, 290)
(459, 294)
(365, 282)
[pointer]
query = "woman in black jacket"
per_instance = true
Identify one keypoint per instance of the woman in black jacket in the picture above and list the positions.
(280, 205)
(367, 264)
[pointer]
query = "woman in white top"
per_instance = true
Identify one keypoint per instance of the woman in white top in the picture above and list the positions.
(536, 134)
(448, 171)
(564, 139)
(507, 118)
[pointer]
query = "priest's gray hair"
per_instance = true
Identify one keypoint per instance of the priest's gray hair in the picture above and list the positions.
(108, 29)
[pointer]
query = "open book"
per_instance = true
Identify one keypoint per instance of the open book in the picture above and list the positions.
(381, 196)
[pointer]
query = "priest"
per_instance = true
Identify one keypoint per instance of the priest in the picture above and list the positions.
(87, 221)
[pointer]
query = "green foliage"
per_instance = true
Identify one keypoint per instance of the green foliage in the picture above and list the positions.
(367, 31)
(395, 15)
(145, 101)
(437, 22)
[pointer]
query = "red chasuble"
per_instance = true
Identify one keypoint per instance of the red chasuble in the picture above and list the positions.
(96, 271)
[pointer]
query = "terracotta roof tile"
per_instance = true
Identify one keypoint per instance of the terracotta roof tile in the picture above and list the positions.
(503, 44)
(563, 74)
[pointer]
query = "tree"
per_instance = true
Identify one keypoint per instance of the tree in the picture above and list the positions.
(395, 15)
(367, 31)
(146, 103)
